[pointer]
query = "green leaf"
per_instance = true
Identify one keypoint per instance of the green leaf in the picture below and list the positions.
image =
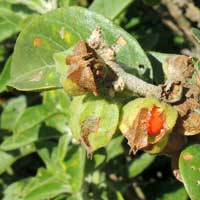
(32, 117)
(58, 100)
(111, 149)
(9, 23)
(75, 164)
(189, 164)
(157, 59)
(27, 129)
(109, 9)
(44, 186)
(160, 57)
(21, 139)
(2, 52)
(5, 75)
(14, 191)
(6, 160)
(93, 121)
(59, 153)
(196, 33)
(12, 111)
(138, 165)
(33, 65)
(40, 6)
(69, 164)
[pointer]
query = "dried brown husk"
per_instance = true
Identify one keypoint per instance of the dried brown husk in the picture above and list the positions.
(192, 124)
(87, 70)
(179, 68)
(137, 134)
(187, 106)
(80, 71)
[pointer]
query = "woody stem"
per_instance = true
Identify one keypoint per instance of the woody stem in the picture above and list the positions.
(126, 80)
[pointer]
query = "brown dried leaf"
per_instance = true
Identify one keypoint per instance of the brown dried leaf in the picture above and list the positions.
(192, 124)
(137, 134)
(193, 91)
(197, 79)
(187, 106)
(179, 68)
(172, 91)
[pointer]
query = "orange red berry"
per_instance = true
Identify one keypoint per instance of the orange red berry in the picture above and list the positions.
(156, 122)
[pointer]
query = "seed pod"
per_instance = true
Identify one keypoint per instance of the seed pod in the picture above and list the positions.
(86, 72)
(147, 123)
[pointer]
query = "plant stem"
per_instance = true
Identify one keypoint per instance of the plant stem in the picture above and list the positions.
(125, 80)
(133, 83)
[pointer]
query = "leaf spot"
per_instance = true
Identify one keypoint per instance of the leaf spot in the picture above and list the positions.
(193, 167)
(90, 125)
(121, 42)
(37, 42)
(37, 77)
(187, 156)
(62, 32)
(198, 182)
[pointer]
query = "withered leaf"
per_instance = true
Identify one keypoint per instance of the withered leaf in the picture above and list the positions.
(192, 124)
(137, 134)
(90, 125)
(188, 105)
(179, 68)
(197, 79)
(172, 91)
(193, 91)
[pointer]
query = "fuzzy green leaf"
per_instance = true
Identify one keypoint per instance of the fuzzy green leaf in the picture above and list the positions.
(9, 23)
(12, 111)
(138, 165)
(5, 75)
(189, 163)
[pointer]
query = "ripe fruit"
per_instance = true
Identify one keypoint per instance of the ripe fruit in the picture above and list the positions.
(147, 124)
(156, 122)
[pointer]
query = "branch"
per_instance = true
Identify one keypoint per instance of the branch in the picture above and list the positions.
(125, 80)
(175, 11)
